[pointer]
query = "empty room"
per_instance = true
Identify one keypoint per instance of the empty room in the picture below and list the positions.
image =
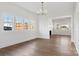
(39, 28)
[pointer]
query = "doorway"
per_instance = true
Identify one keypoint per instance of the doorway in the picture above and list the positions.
(61, 27)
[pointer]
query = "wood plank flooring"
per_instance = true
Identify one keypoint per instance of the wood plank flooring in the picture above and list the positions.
(56, 46)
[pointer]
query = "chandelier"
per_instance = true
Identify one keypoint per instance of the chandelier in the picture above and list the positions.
(42, 10)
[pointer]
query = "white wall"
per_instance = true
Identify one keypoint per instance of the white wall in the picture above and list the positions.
(14, 37)
(76, 27)
(45, 24)
(62, 21)
(43, 27)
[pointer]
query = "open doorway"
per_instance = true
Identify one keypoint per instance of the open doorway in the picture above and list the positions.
(61, 27)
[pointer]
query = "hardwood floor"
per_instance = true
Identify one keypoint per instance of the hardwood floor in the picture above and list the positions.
(56, 46)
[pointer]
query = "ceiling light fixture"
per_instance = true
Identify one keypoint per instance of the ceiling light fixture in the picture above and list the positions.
(42, 10)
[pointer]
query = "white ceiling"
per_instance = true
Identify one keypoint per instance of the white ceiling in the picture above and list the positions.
(54, 9)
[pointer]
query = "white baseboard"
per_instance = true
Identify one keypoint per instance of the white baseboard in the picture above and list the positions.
(44, 36)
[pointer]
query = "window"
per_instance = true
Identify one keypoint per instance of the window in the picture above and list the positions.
(19, 24)
(30, 26)
(62, 26)
(25, 24)
(8, 23)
